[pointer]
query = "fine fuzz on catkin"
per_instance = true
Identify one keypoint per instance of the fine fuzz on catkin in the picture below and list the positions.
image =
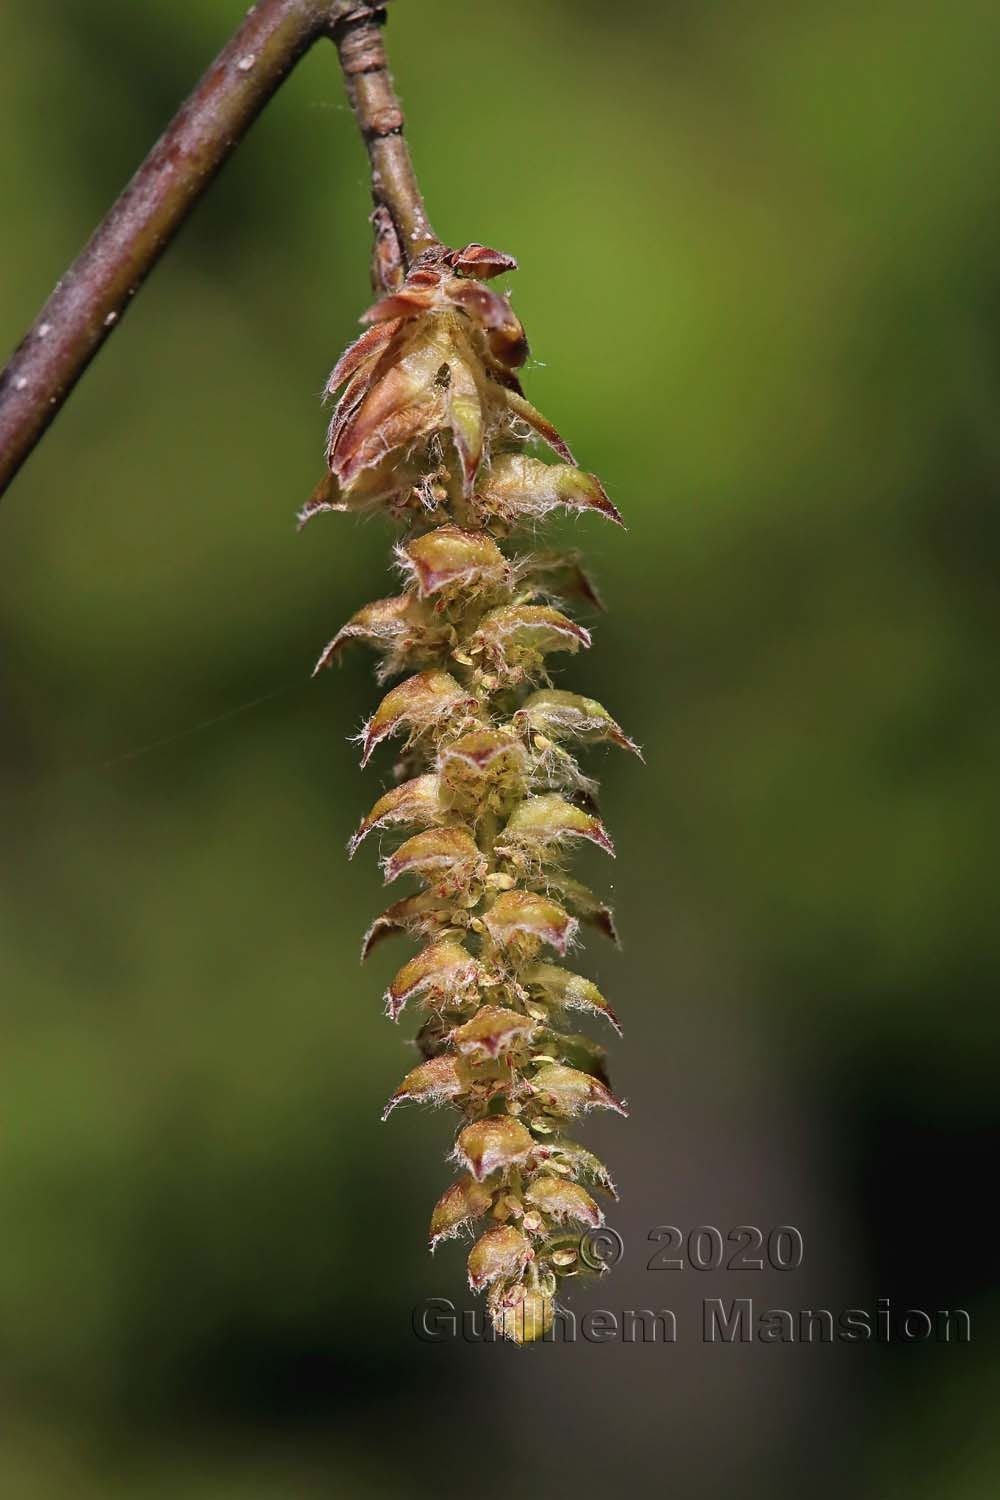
(433, 427)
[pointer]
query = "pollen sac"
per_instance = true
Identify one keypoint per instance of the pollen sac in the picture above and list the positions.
(415, 705)
(523, 1314)
(463, 1202)
(449, 560)
(524, 920)
(491, 1031)
(515, 639)
(415, 802)
(448, 859)
(487, 1145)
(567, 1091)
(559, 715)
(442, 974)
(484, 769)
(567, 990)
(563, 1201)
(430, 1082)
(520, 489)
(500, 1253)
(538, 823)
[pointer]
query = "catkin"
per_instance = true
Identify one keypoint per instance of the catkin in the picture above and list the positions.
(433, 427)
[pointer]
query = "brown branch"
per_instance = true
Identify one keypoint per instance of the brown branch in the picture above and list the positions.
(402, 228)
(93, 295)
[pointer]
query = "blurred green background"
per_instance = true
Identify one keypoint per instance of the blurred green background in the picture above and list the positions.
(760, 271)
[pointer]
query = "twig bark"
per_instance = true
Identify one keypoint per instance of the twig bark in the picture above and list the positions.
(402, 228)
(93, 295)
